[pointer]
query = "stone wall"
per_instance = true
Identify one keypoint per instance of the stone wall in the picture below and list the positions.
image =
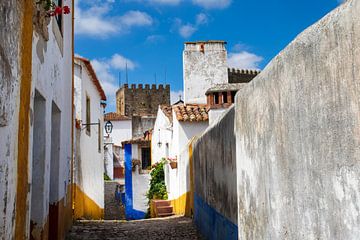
(298, 137)
(215, 197)
(241, 75)
(141, 101)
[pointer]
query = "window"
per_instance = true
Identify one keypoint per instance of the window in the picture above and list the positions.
(59, 18)
(99, 135)
(216, 98)
(145, 158)
(88, 119)
(225, 100)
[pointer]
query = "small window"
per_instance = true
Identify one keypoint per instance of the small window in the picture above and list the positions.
(88, 118)
(145, 158)
(216, 98)
(225, 100)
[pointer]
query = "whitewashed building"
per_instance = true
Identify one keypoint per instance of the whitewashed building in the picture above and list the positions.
(35, 121)
(89, 101)
(114, 152)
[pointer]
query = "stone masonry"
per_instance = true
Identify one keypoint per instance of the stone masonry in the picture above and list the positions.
(141, 101)
(176, 228)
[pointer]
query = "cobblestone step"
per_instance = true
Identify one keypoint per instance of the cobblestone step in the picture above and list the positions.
(176, 228)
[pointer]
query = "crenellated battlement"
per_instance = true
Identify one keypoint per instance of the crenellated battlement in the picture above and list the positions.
(141, 99)
(146, 87)
(241, 75)
(243, 71)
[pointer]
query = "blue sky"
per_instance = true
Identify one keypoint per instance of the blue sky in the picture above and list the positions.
(148, 35)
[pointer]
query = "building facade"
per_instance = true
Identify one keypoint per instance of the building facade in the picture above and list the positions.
(89, 101)
(36, 135)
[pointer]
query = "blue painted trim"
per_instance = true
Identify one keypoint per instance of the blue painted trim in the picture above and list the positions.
(211, 223)
(130, 212)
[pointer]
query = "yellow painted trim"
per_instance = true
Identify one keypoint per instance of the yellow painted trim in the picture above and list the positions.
(192, 184)
(22, 186)
(85, 206)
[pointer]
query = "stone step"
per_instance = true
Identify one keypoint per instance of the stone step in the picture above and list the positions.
(162, 203)
(160, 215)
(166, 209)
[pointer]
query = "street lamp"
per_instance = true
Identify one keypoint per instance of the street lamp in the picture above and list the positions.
(159, 143)
(108, 127)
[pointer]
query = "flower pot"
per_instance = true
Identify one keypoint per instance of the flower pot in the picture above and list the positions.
(173, 165)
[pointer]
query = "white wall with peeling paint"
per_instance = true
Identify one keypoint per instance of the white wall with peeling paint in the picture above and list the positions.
(204, 65)
(9, 109)
(52, 79)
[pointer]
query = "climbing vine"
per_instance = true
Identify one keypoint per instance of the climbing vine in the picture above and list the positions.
(157, 182)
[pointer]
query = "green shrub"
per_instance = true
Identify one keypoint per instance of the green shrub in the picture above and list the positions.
(157, 188)
(106, 177)
(157, 182)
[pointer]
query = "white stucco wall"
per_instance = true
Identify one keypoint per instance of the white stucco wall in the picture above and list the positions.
(108, 158)
(52, 79)
(122, 131)
(203, 70)
(177, 180)
(215, 114)
(140, 185)
(91, 162)
(162, 132)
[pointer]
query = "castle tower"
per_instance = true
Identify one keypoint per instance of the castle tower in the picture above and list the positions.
(204, 66)
(141, 100)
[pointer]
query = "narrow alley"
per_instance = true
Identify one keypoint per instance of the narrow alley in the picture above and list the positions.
(158, 228)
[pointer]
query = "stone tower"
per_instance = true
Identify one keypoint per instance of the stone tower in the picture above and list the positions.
(204, 66)
(141, 101)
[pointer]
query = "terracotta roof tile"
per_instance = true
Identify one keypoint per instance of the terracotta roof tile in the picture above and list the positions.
(93, 76)
(167, 110)
(191, 112)
(113, 116)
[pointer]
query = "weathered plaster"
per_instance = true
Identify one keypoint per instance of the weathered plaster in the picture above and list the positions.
(298, 137)
(10, 75)
(205, 65)
(215, 194)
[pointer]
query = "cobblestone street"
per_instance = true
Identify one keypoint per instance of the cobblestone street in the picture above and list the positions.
(151, 229)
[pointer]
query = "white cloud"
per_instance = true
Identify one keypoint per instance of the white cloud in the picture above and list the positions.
(244, 60)
(135, 18)
(212, 4)
(175, 96)
(158, 2)
(105, 69)
(155, 38)
(119, 62)
(95, 19)
(165, 2)
(188, 29)
(201, 18)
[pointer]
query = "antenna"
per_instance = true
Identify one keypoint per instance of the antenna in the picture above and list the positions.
(155, 78)
(127, 77)
(119, 79)
(165, 75)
